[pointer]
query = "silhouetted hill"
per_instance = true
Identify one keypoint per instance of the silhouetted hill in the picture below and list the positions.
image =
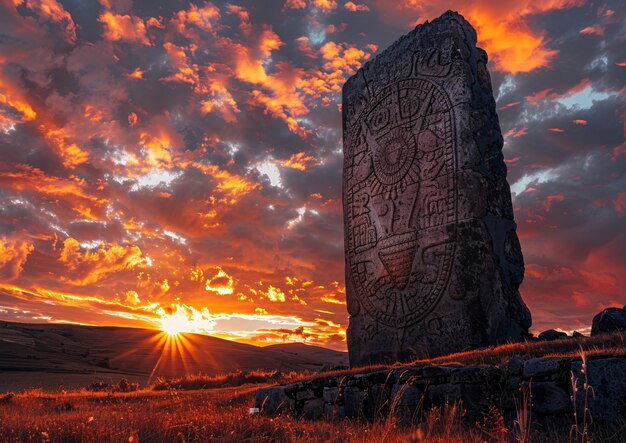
(46, 355)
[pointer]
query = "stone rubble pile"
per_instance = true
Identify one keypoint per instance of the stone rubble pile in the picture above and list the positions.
(553, 387)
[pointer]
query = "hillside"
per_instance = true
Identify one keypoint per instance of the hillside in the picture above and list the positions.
(48, 355)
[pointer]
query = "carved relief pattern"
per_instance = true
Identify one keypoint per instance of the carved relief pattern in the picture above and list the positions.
(400, 197)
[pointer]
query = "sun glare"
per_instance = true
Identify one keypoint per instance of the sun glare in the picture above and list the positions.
(174, 324)
(181, 318)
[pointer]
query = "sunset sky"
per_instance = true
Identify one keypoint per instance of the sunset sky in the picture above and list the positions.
(175, 157)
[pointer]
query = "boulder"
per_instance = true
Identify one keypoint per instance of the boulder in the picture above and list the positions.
(609, 320)
(605, 396)
(274, 400)
(552, 334)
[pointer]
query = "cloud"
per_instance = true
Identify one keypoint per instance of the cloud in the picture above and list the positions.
(87, 266)
(13, 256)
(187, 156)
(124, 28)
(354, 7)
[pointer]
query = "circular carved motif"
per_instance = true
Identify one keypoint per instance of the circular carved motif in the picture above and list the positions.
(400, 202)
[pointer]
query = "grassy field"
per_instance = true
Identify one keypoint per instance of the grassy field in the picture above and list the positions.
(201, 415)
(177, 411)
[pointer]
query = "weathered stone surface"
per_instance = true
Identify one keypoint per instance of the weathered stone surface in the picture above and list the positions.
(409, 392)
(353, 400)
(609, 320)
(433, 262)
(484, 374)
(549, 399)
(515, 365)
(313, 409)
(406, 395)
(606, 397)
(304, 395)
(539, 368)
(552, 334)
(405, 375)
(273, 400)
(330, 395)
(334, 411)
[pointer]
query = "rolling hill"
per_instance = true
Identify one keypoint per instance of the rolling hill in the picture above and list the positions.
(51, 355)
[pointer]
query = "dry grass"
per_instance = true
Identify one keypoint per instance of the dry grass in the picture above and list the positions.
(220, 415)
(178, 414)
(613, 343)
(237, 378)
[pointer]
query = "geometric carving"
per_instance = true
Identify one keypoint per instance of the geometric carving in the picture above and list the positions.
(433, 263)
(404, 203)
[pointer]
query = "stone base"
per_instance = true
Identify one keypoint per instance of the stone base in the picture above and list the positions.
(543, 386)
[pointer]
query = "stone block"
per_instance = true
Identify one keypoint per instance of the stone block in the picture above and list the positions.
(313, 409)
(353, 400)
(606, 397)
(538, 368)
(274, 400)
(331, 395)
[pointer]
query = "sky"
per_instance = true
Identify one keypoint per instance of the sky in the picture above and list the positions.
(184, 159)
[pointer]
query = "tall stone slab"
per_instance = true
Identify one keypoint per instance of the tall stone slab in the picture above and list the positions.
(433, 262)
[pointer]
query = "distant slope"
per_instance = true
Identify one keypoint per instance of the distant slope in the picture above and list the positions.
(28, 351)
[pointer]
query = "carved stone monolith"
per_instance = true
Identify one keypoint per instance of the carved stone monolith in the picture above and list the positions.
(433, 262)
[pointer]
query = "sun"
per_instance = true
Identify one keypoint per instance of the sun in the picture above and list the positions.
(175, 324)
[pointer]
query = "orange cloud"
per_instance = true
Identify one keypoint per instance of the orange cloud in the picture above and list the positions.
(13, 256)
(593, 30)
(351, 6)
(203, 18)
(502, 27)
(220, 99)
(324, 5)
(92, 266)
(294, 4)
(28, 178)
(221, 283)
(123, 28)
(300, 161)
(52, 10)
(71, 154)
(137, 74)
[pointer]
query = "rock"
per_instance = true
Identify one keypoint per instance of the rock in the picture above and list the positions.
(433, 261)
(313, 409)
(577, 334)
(273, 400)
(475, 398)
(406, 374)
(334, 412)
(539, 368)
(353, 400)
(549, 399)
(552, 334)
(330, 395)
(609, 320)
(406, 395)
(515, 365)
(483, 374)
(377, 400)
(606, 397)
(437, 371)
(304, 395)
